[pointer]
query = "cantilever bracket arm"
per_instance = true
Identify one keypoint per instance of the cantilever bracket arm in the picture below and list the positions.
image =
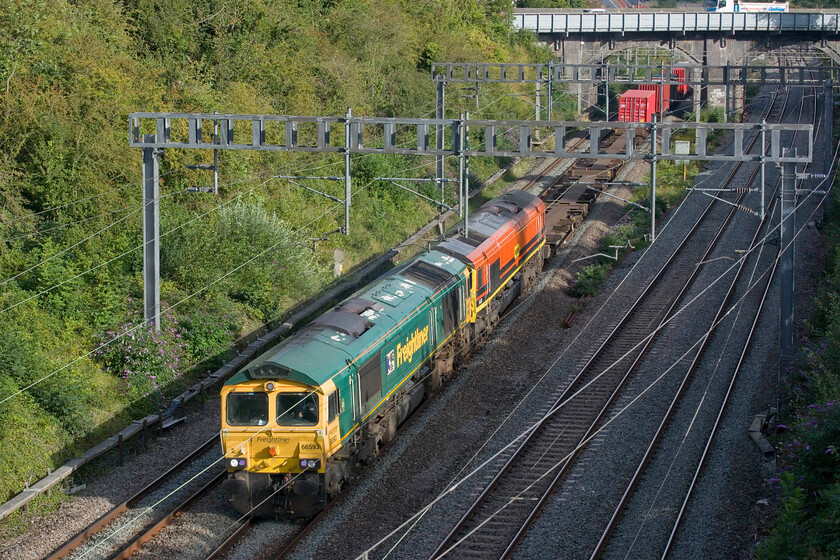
(636, 204)
(331, 197)
(421, 195)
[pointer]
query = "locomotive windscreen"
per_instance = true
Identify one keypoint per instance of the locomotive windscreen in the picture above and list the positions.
(247, 409)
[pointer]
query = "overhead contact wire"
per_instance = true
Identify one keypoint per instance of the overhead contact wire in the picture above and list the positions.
(603, 306)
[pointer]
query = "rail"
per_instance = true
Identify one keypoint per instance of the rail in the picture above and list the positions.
(623, 348)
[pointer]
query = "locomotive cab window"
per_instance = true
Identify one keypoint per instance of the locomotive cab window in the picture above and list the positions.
(334, 405)
(247, 409)
(297, 409)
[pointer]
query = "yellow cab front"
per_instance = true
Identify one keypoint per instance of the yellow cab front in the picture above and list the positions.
(273, 443)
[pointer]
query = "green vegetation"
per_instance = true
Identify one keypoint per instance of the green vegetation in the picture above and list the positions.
(633, 229)
(590, 280)
(807, 523)
(77, 363)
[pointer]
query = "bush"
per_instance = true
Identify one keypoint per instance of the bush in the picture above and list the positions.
(209, 333)
(590, 280)
(228, 252)
(145, 360)
(808, 522)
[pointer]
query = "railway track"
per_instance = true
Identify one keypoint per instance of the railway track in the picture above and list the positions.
(499, 517)
(126, 528)
(94, 541)
(655, 517)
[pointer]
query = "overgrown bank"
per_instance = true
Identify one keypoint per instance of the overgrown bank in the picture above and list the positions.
(76, 361)
(807, 522)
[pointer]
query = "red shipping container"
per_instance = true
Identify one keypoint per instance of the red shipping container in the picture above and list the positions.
(679, 76)
(636, 105)
(664, 100)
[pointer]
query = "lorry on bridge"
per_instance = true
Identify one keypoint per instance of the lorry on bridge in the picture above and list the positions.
(738, 6)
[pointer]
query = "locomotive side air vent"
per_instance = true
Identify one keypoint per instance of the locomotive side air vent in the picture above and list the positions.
(427, 274)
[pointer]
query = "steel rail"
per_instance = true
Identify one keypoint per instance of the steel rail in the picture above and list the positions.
(563, 397)
(97, 526)
(234, 538)
(692, 368)
(714, 430)
(684, 383)
(136, 543)
(668, 314)
(308, 528)
(721, 411)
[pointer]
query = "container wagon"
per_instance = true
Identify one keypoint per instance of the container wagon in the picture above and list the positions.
(636, 105)
(678, 74)
(663, 96)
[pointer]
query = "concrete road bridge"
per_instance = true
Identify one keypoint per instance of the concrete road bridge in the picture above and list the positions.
(705, 38)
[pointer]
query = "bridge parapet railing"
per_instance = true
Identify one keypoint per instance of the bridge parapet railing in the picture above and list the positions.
(676, 22)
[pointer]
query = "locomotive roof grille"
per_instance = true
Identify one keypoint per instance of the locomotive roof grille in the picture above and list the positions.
(474, 240)
(344, 321)
(427, 274)
(269, 370)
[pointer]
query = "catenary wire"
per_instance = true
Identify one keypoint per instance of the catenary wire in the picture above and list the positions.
(290, 409)
(534, 387)
(535, 425)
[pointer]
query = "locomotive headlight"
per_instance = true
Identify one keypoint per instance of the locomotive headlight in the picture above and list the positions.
(234, 463)
(303, 463)
(311, 463)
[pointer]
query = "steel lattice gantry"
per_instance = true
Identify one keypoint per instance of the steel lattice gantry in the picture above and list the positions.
(696, 74)
(370, 135)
